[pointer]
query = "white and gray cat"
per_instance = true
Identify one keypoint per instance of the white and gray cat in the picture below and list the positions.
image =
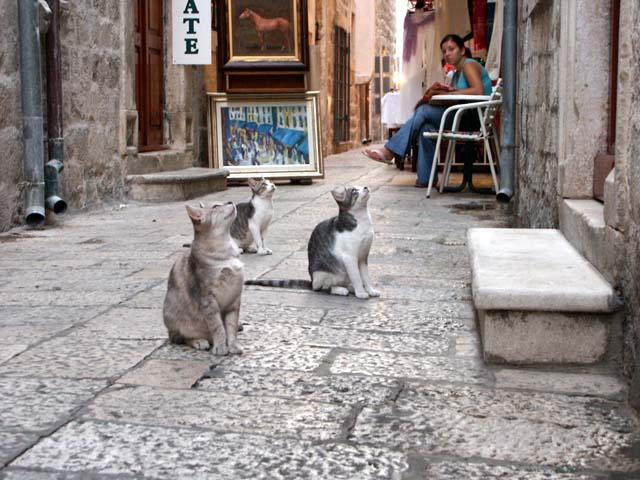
(254, 216)
(202, 303)
(338, 249)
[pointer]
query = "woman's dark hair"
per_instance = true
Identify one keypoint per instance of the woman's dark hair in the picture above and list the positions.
(452, 37)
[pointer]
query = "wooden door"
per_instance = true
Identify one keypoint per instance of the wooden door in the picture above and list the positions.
(149, 73)
(341, 86)
(363, 94)
(604, 163)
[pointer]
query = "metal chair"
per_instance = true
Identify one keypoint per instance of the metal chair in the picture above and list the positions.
(487, 111)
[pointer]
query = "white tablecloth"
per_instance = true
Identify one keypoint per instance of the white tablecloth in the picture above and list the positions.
(448, 100)
(390, 110)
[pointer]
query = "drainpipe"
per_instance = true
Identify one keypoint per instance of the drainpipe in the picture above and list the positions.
(509, 66)
(31, 92)
(54, 112)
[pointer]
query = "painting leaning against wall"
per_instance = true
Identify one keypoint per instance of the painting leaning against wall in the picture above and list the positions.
(271, 136)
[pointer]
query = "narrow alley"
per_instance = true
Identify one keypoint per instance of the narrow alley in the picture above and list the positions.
(328, 387)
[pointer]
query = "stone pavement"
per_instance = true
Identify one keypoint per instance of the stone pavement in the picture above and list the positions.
(328, 387)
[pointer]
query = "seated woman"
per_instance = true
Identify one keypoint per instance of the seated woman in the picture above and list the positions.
(470, 78)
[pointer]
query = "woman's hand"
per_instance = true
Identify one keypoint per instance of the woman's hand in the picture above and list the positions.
(441, 87)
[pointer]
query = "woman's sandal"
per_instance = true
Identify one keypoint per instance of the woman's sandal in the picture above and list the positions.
(377, 155)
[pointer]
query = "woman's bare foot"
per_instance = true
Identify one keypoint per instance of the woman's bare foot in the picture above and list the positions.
(382, 155)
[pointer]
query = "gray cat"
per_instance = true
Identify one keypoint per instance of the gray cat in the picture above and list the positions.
(338, 249)
(254, 216)
(202, 304)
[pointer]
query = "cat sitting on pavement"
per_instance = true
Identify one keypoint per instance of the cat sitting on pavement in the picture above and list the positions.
(254, 216)
(338, 249)
(202, 303)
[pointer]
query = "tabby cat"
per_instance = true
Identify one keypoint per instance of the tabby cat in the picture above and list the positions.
(202, 303)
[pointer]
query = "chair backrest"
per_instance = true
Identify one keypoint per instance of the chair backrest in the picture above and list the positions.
(491, 111)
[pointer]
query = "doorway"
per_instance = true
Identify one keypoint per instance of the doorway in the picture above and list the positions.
(363, 96)
(604, 163)
(149, 26)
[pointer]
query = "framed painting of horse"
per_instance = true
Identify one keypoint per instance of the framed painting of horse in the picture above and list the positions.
(264, 34)
(273, 136)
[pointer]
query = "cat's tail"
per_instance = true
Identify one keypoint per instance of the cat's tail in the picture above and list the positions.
(291, 283)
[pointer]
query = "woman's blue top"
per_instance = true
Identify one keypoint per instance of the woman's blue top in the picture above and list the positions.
(460, 81)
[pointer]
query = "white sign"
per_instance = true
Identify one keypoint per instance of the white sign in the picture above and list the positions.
(191, 32)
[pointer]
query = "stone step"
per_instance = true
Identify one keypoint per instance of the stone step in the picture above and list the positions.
(582, 223)
(176, 185)
(538, 300)
(159, 161)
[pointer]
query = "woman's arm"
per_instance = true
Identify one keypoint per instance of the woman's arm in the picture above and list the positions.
(473, 74)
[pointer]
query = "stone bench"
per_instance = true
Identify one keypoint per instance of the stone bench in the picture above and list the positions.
(538, 300)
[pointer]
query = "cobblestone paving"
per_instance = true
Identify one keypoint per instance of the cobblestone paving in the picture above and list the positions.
(328, 387)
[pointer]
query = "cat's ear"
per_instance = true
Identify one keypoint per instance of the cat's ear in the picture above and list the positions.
(195, 214)
(253, 183)
(339, 193)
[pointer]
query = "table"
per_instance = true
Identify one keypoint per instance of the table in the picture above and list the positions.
(390, 116)
(467, 169)
(390, 110)
(449, 100)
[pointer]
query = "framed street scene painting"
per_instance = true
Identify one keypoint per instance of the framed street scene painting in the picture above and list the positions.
(274, 136)
(264, 33)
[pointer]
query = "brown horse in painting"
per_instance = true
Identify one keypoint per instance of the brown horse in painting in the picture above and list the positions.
(264, 25)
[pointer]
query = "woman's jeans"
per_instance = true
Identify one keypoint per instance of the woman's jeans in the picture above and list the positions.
(426, 118)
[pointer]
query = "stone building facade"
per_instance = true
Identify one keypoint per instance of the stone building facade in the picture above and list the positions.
(100, 115)
(341, 13)
(102, 112)
(385, 47)
(565, 100)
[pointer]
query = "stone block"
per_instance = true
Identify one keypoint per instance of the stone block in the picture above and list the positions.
(583, 384)
(538, 300)
(176, 185)
(583, 225)
(508, 427)
(220, 411)
(154, 162)
(534, 270)
(612, 216)
(166, 373)
(543, 337)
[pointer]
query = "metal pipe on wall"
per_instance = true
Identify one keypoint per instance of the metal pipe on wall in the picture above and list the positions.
(32, 122)
(54, 112)
(509, 69)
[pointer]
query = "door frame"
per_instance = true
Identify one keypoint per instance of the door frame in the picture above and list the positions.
(142, 77)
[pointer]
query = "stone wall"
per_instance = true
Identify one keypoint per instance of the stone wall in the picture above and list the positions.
(340, 12)
(622, 200)
(562, 108)
(91, 65)
(99, 110)
(10, 116)
(330, 14)
(562, 103)
(385, 40)
(91, 68)
(537, 110)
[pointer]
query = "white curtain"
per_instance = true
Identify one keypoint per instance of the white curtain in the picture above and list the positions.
(416, 65)
(495, 49)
